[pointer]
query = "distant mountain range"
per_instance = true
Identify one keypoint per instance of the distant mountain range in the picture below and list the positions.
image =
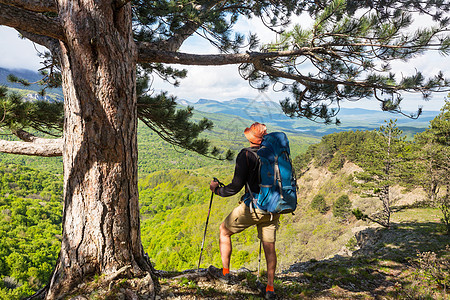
(32, 77)
(270, 113)
(260, 110)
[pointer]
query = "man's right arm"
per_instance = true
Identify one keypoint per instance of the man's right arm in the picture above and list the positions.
(239, 178)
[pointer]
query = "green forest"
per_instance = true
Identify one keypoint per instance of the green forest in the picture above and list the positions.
(174, 202)
(30, 228)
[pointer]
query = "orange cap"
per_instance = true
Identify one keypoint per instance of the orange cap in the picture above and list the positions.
(255, 133)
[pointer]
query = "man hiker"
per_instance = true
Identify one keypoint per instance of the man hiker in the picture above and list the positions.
(246, 174)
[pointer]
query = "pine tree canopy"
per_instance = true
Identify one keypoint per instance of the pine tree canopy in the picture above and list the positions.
(440, 126)
(346, 53)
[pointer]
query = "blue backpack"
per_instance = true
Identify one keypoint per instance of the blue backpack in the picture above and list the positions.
(278, 186)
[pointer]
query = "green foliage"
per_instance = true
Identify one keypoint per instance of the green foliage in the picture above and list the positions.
(351, 244)
(383, 164)
(440, 126)
(166, 190)
(300, 162)
(359, 215)
(432, 170)
(318, 203)
(337, 162)
(444, 205)
(30, 227)
(174, 206)
(16, 113)
(342, 207)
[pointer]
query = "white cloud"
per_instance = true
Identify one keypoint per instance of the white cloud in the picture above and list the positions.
(17, 53)
(211, 82)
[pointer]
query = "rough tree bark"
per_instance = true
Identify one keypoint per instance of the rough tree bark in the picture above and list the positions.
(101, 215)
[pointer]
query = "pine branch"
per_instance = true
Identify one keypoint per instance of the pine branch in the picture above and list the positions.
(50, 148)
(31, 138)
(48, 42)
(190, 26)
(148, 54)
(259, 64)
(175, 42)
(32, 22)
(33, 5)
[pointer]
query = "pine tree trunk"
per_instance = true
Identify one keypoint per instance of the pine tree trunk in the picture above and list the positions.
(101, 232)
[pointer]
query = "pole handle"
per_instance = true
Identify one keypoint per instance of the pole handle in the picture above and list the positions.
(217, 180)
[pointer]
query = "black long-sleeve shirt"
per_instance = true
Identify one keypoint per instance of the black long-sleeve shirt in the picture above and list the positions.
(246, 170)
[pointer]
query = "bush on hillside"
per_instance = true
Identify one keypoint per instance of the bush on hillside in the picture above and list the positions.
(335, 148)
(342, 207)
(318, 203)
(337, 162)
(323, 154)
(300, 163)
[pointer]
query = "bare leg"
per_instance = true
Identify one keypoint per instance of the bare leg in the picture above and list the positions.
(225, 245)
(271, 259)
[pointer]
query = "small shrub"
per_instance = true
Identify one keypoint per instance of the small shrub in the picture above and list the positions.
(434, 269)
(444, 206)
(342, 207)
(337, 162)
(318, 203)
(352, 244)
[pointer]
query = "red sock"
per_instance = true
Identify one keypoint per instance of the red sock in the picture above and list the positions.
(225, 271)
(269, 288)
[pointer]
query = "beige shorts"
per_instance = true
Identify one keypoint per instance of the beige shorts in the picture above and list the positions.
(242, 217)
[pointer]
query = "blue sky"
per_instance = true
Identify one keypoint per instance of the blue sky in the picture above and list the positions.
(224, 82)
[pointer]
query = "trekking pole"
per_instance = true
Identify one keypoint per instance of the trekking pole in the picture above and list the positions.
(207, 220)
(259, 258)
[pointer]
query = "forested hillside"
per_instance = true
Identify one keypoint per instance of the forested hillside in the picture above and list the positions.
(30, 229)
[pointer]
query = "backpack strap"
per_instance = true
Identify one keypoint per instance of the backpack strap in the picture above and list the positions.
(246, 156)
(248, 163)
(253, 201)
(278, 177)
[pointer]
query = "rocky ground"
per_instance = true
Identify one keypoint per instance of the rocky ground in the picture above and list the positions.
(407, 261)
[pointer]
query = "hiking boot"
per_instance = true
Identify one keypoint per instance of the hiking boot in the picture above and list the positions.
(218, 274)
(270, 295)
(266, 295)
